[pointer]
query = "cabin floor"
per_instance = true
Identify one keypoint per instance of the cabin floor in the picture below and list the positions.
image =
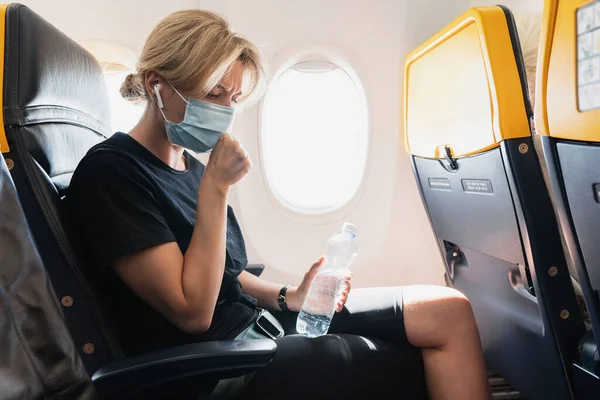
(501, 389)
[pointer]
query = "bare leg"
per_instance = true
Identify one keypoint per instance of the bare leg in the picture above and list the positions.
(440, 321)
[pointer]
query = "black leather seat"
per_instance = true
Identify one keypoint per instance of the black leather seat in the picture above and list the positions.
(55, 109)
(37, 356)
(468, 133)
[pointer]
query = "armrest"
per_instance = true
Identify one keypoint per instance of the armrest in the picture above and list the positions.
(255, 269)
(218, 360)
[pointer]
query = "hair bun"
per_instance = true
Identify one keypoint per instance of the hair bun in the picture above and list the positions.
(133, 89)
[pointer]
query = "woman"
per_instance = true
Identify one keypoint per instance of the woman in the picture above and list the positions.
(171, 255)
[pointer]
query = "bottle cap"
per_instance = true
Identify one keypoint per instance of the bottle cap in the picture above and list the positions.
(351, 228)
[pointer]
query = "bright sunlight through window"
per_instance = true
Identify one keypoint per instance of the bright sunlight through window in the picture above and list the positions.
(117, 61)
(124, 115)
(314, 136)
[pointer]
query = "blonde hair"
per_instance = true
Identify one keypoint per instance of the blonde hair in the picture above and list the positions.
(528, 27)
(194, 47)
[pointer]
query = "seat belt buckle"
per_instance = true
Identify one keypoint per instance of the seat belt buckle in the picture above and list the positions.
(269, 325)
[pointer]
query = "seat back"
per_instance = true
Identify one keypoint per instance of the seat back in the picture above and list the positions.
(567, 120)
(38, 359)
(55, 108)
(467, 129)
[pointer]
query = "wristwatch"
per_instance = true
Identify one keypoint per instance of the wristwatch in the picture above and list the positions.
(281, 299)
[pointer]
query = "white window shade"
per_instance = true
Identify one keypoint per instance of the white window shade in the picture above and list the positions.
(314, 137)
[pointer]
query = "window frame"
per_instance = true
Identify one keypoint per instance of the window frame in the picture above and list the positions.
(282, 63)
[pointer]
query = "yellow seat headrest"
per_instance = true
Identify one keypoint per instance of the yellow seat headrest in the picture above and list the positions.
(462, 88)
(568, 81)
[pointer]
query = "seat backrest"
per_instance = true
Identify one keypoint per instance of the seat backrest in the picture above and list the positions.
(55, 108)
(467, 129)
(37, 356)
(567, 120)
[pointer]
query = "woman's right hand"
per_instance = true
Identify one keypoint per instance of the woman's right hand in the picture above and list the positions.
(228, 162)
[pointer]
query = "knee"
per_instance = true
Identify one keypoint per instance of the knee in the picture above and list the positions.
(434, 315)
(456, 309)
(451, 306)
(438, 299)
(457, 321)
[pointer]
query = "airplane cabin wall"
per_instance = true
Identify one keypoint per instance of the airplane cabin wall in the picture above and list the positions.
(123, 21)
(396, 245)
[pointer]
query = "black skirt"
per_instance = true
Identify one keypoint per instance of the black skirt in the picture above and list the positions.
(365, 355)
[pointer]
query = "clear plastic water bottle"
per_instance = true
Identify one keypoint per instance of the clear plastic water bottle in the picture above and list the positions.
(319, 305)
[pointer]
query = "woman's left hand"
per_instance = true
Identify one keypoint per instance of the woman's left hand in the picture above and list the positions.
(296, 295)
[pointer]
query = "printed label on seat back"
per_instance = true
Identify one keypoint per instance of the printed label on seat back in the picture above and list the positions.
(588, 56)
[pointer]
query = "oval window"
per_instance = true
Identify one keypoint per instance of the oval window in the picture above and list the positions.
(314, 137)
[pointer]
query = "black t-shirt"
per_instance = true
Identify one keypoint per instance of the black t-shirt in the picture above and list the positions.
(122, 199)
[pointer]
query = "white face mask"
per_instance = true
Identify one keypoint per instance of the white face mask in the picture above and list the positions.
(203, 124)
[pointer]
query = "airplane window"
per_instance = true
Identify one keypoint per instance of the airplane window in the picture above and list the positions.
(117, 61)
(314, 137)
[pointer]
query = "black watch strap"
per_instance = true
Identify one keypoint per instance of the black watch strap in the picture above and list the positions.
(281, 299)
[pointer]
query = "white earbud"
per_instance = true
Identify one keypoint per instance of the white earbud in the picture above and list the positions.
(158, 98)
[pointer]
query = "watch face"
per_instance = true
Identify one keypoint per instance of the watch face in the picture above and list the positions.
(281, 300)
(282, 304)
